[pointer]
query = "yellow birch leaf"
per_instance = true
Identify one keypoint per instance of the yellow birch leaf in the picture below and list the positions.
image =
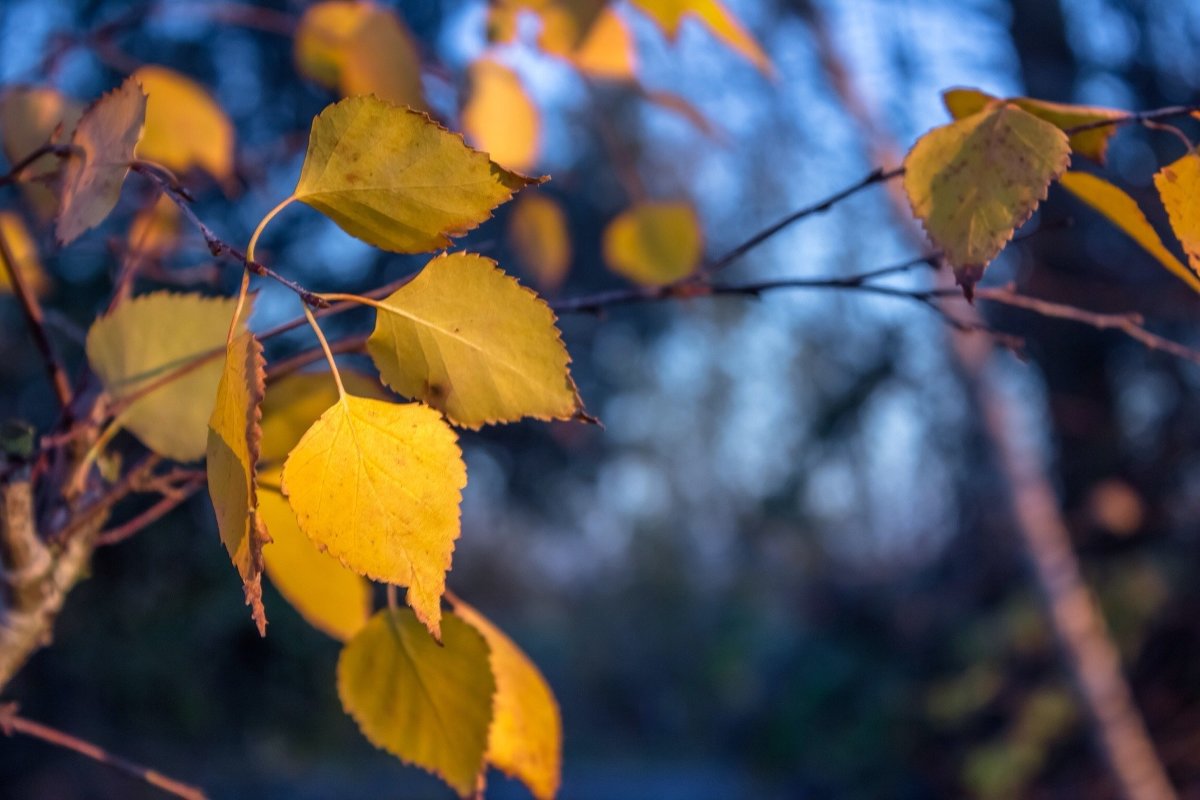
(24, 253)
(146, 340)
(1123, 211)
(973, 182)
(1092, 143)
(396, 179)
(500, 118)
(360, 48)
(296, 401)
(185, 127)
(608, 49)
(328, 596)
(377, 485)
(537, 231)
(525, 740)
(232, 454)
(30, 118)
(426, 704)
(470, 341)
(1179, 188)
(106, 136)
(669, 16)
(155, 230)
(654, 243)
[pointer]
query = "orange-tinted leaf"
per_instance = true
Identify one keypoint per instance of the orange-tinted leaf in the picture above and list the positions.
(24, 254)
(360, 48)
(654, 243)
(106, 136)
(185, 128)
(500, 118)
(233, 442)
(607, 51)
(155, 231)
(525, 740)
(30, 118)
(537, 230)
(669, 16)
(1179, 187)
(330, 597)
(1123, 211)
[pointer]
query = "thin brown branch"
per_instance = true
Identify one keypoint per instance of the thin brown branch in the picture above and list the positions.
(872, 178)
(36, 322)
(168, 502)
(281, 369)
(216, 245)
(14, 173)
(130, 483)
(11, 723)
(1138, 117)
(1130, 324)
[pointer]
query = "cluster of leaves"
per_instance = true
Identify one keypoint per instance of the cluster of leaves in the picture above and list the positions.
(973, 182)
(324, 481)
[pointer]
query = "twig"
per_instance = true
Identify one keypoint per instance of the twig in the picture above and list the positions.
(872, 178)
(36, 322)
(218, 246)
(1130, 324)
(176, 497)
(12, 724)
(14, 173)
(1139, 117)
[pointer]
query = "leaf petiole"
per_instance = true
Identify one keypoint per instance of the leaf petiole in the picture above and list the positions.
(337, 376)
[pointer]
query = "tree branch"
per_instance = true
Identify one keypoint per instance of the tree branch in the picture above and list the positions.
(36, 322)
(216, 245)
(13, 724)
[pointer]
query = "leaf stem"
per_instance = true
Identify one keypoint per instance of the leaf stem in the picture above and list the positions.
(249, 259)
(337, 376)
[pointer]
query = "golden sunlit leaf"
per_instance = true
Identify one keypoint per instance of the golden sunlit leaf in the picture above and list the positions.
(654, 243)
(146, 340)
(30, 118)
(330, 597)
(525, 740)
(469, 340)
(360, 48)
(232, 454)
(185, 127)
(537, 231)
(975, 181)
(377, 485)
(106, 136)
(500, 118)
(608, 49)
(565, 23)
(1123, 211)
(430, 706)
(24, 254)
(1179, 188)
(1091, 143)
(154, 232)
(396, 179)
(296, 401)
(669, 16)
